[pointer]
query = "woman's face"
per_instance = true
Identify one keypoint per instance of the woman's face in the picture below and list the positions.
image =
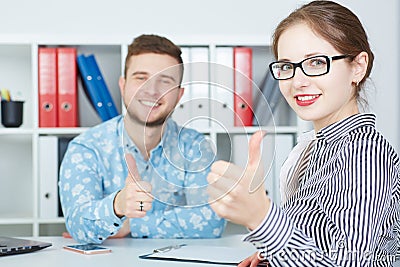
(321, 99)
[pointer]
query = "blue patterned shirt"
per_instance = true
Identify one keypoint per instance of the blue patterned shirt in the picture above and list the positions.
(93, 171)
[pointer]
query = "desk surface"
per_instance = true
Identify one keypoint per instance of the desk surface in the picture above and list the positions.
(125, 251)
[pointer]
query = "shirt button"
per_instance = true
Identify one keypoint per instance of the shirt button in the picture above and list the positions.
(147, 167)
(100, 238)
(116, 224)
(136, 151)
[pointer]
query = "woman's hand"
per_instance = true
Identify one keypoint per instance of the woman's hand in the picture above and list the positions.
(253, 261)
(239, 195)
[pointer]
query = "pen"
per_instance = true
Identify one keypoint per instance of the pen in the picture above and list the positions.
(165, 249)
(5, 95)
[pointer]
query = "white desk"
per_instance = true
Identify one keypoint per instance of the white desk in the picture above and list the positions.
(125, 252)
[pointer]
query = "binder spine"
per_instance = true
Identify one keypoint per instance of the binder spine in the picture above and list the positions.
(182, 113)
(104, 93)
(48, 176)
(67, 87)
(200, 89)
(243, 97)
(47, 78)
(222, 91)
(90, 87)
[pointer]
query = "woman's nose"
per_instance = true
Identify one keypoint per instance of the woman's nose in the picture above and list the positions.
(300, 79)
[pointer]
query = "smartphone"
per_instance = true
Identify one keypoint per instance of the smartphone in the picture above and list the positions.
(88, 249)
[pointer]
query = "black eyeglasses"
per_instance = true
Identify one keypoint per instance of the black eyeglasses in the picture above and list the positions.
(312, 66)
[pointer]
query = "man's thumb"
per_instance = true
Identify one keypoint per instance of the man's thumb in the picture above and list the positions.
(132, 168)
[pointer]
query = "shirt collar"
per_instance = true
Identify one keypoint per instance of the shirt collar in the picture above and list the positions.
(129, 144)
(341, 128)
(306, 137)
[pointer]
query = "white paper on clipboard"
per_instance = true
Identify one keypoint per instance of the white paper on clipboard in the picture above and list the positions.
(202, 254)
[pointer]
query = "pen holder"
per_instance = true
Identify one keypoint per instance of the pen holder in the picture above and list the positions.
(12, 113)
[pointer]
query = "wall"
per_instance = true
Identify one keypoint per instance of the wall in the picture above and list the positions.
(381, 20)
(209, 17)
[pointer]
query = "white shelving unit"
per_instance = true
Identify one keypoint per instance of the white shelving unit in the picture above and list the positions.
(19, 164)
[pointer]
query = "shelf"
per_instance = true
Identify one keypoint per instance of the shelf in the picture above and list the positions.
(13, 131)
(27, 220)
(61, 131)
(51, 221)
(16, 220)
(253, 129)
(232, 130)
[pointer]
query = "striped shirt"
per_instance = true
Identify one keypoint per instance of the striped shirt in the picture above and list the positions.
(346, 207)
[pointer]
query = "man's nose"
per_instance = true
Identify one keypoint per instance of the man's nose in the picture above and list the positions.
(150, 87)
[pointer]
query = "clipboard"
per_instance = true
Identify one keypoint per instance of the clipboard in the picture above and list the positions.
(201, 254)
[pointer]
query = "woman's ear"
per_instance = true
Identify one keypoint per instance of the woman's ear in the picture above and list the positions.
(360, 66)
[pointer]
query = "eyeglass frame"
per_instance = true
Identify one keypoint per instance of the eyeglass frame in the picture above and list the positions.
(299, 65)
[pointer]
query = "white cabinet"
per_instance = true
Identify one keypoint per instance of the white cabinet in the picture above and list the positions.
(20, 152)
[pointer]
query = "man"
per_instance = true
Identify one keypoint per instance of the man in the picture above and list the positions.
(163, 195)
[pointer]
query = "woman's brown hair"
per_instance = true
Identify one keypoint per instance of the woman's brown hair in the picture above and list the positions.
(334, 23)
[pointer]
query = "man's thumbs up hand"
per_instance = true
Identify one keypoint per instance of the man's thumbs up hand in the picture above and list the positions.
(239, 195)
(133, 172)
(135, 199)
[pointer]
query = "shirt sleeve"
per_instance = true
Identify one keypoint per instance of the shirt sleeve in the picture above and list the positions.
(89, 214)
(361, 187)
(179, 222)
(282, 244)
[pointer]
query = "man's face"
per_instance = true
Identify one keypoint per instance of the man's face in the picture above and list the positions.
(151, 88)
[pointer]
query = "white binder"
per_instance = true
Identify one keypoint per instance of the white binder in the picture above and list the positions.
(182, 113)
(199, 87)
(221, 89)
(48, 177)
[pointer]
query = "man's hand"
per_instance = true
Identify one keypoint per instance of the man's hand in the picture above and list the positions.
(123, 231)
(239, 195)
(135, 199)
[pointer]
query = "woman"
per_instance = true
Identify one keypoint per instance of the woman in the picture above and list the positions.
(341, 194)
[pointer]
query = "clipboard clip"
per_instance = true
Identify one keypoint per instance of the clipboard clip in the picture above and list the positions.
(165, 249)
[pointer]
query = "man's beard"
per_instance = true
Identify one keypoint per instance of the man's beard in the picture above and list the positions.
(158, 122)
